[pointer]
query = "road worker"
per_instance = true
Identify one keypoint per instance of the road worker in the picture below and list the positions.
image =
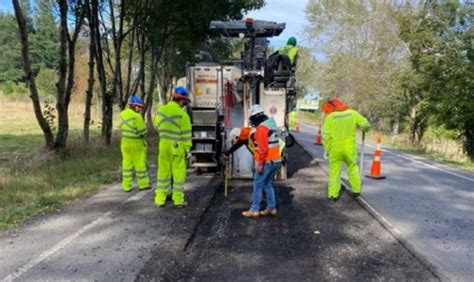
(340, 145)
(262, 140)
(289, 50)
(174, 130)
(133, 145)
(292, 120)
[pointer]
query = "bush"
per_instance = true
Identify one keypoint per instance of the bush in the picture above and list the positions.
(7, 87)
(46, 81)
(20, 90)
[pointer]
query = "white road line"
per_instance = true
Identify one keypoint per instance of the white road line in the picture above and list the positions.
(372, 209)
(381, 217)
(66, 241)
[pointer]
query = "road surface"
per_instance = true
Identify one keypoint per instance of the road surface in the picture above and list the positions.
(115, 236)
(429, 204)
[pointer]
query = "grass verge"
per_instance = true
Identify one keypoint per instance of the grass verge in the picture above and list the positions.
(41, 181)
(34, 181)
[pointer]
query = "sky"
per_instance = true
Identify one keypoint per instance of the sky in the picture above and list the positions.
(290, 12)
(6, 5)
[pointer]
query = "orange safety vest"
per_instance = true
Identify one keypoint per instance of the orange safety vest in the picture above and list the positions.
(274, 152)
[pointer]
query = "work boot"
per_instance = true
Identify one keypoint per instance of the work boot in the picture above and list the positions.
(269, 212)
(251, 214)
(127, 190)
(145, 188)
(333, 199)
(355, 194)
(182, 205)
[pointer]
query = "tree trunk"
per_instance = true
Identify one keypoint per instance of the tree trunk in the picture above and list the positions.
(129, 69)
(30, 80)
(61, 107)
(468, 142)
(107, 101)
(90, 82)
(142, 65)
(413, 127)
(151, 89)
(66, 71)
(117, 37)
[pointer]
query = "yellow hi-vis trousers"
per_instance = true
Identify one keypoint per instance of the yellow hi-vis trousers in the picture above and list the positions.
(340, 153)
(171, 174)
(134, 158)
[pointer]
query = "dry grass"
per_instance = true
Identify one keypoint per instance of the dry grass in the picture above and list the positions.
(33, 180)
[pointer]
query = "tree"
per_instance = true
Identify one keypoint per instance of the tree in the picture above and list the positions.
(45, 39)
(363, 52)
(66, 67)
(22, 28)
(10, 61)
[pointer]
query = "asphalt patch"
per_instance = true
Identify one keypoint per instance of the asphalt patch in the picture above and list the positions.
(310, 239)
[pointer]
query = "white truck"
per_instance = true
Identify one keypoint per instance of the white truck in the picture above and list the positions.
(221, 95)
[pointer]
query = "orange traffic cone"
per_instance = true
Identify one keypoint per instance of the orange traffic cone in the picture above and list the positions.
(318, 137)
(375, 171)
(298, 129)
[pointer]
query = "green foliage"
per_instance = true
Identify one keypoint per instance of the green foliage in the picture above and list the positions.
(14, 90)
(20, 89)
(8, 87)
(401, 64)
(10, 60)
(189, 23)
(44, 41)
(44, 47)
(46, 82)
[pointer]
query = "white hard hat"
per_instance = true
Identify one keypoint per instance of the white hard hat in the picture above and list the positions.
(235, 132)
(256, 109)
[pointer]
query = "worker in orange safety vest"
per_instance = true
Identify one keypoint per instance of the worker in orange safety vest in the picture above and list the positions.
(263, 142)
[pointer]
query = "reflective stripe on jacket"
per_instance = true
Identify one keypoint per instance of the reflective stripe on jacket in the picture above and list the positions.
(339, 127)
(132, 125)
(264, 142)
(174, 126)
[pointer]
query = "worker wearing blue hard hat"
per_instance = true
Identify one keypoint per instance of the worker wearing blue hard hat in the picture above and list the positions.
(133, 145)
(174, 130)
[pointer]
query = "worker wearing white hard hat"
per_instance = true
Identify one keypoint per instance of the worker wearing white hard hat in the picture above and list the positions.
(263, 142)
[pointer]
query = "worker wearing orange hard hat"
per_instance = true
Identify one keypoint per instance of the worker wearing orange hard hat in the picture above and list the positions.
(339, 144)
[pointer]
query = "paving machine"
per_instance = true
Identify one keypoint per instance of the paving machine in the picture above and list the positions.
(221, 95)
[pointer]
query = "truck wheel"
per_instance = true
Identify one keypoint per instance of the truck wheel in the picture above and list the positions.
(289, 140)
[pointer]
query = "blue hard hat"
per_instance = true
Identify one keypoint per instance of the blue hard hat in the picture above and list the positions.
(135, 100)
(181, 92)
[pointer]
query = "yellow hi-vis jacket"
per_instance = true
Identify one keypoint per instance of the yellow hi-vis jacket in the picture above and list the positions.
(131, 125)
(174, 129)
(290, 51)
(339, 128)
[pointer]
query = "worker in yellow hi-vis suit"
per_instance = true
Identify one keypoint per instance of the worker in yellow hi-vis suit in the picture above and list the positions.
(174, 129)
(340, 145)
(133, 145)
(292, 120)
